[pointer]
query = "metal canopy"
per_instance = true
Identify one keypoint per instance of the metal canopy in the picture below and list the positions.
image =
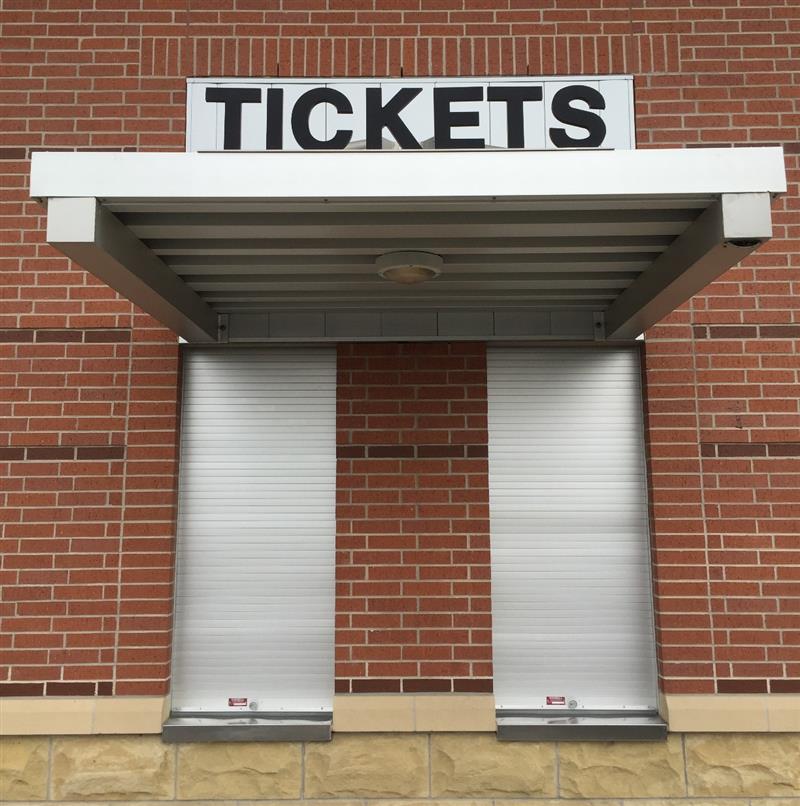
(282, 246)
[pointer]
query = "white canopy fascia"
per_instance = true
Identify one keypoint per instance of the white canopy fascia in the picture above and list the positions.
(348, 175)
(597, 199)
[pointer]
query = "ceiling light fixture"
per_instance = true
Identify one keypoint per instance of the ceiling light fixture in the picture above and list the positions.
(409, 268)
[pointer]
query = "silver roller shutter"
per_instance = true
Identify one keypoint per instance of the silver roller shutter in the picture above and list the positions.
(254, 606)
(571, 589)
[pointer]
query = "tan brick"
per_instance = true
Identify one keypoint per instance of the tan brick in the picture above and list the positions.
(112, 768)
(687, 802)
(239, 770)
(368, 765)
(477, 765)
(23, 768)
(744, 764)
(621, 769)
(436, 802)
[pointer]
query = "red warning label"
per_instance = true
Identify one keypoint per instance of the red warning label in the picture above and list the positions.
(236, 701)
(556, 700)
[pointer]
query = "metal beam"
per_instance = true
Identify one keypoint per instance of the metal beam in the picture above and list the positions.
(726, 233)
(449, 298)
(510, 302)
(441, 245)
(210, 205)
(408, 175)
(366, 281)
(325, 323)
(96, 240)
(490, 223)
(561, 262)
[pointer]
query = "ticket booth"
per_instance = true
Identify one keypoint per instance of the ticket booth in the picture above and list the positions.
(402, 212)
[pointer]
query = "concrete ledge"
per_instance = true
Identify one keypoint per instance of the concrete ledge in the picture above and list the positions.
(731, 713)
(391, 713)
(410, 713)
(264, 727)
(542, 726)
(356, 713)
(74, 716)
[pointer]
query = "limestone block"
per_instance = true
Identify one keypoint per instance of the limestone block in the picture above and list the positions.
(368, 766)
(744, 764)
(373, 713)
(315, 803)
(94, 768)
(546, 802)
(239, 770)
(23, 768)
(477, 765)
(621, 769)
(280, 803)
(688, 802)
(454, 713)
(783, 713)
(438, 802)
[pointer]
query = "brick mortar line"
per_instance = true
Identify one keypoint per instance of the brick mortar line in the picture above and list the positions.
(685, 765)
(698, 430)
(123, 511)
(430, 757)
(557, 760)
(302, 771)
(49, 788)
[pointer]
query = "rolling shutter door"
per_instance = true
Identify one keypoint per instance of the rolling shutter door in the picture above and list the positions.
(571, 590)
(254, 607)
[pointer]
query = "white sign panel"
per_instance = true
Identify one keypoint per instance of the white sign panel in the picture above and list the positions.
(463, 113)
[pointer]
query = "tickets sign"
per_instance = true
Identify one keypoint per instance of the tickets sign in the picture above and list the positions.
(409, 114)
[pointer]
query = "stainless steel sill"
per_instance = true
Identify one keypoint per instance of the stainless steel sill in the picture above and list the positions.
(566, 726)
(256, 727)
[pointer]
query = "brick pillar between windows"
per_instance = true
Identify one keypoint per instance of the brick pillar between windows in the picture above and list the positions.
(413, 607)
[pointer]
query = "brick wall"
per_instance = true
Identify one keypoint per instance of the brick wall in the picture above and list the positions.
(724, 429)
(88, 532)
(413, 571)
(87, 461)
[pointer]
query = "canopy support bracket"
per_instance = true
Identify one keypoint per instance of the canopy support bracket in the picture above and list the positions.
(724, 234)
(97, 240)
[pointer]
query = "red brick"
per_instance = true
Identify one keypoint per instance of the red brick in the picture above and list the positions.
(397, 375)
(716, 74)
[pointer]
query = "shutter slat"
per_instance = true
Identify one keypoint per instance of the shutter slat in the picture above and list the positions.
(254, 602)
(571, 593)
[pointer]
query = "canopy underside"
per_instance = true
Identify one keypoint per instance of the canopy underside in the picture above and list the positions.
(283, 246)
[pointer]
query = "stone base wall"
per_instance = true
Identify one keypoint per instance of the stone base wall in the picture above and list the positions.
(392, 769)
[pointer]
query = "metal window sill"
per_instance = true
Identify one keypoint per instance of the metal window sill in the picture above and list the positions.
(565, 726)
(256, 727)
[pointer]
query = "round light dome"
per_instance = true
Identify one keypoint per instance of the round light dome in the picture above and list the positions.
(409, 268)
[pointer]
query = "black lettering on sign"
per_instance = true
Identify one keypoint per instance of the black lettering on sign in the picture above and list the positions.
(445, 119)
(274, 119)
(301, 118)
(563, 111)
(382, 116)
(233, 99)
(514, 98)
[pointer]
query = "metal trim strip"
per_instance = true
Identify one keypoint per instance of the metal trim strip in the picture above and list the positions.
(567, 726)
(256, 727)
